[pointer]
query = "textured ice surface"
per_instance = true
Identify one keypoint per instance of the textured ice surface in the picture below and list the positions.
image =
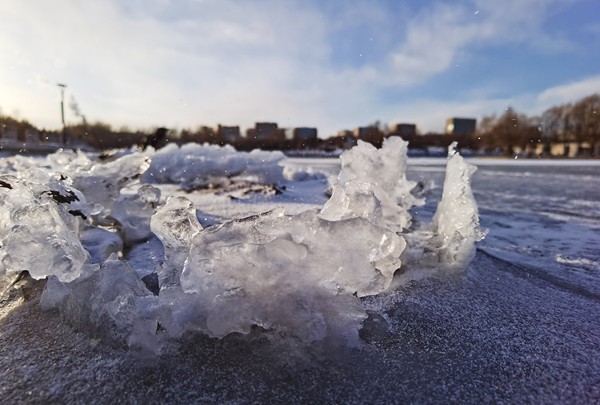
(301, 274)
(112, 302)
(175, 224)
(102, 182)
(101, 243)
(33, 234)
(133, 213)
(43, 212)
(194, 165)
(456, 220)
(384, 168)
(520, 325)
(146, 258)
(271, 270)
(275, 270)
(372, 184)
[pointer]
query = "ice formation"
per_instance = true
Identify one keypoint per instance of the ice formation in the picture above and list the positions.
(154, 272)
(34, 235)
(133, 213)
(101, 243)
(448, 242)
(456, 220)
(102, 182)
(175, 224)
(194, 165)
(372, 184)
(280, 270)
(111, 301)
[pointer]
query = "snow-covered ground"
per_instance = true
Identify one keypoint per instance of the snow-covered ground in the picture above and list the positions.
(203, 274)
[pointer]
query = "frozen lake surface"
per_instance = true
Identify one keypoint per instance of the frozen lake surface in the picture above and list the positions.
(519, 324)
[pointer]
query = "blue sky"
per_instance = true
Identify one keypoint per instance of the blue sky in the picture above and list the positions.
(330, 64)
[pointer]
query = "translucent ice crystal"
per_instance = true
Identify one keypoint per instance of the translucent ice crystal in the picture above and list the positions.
(198, 165)
(276, 270)
(302, 274)
(372, 184)
(33, 235)
(133, 212)
(102, 182)
(456, 220)
(101, 243)
(175, 224)
(111, 301)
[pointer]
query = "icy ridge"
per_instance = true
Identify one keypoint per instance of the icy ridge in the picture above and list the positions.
(302, 275)
(372, 184)
(456, 220)
(198, 165)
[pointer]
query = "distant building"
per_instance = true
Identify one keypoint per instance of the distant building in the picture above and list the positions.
(32, 135)
(305, 134)
(345, 133)
(51, 137)
(573, 149)
(461, 126)
(370, 134)
(362, 132)
(263, 131)
(402, 129)
(9, 132)
(266, 132)
(229, 134)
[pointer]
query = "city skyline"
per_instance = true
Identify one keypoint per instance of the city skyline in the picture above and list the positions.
(333, 66)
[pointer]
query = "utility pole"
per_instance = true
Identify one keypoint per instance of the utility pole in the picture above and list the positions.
(62, 110)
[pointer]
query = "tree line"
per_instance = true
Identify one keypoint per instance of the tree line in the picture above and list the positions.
(577, 122)
(507, 134)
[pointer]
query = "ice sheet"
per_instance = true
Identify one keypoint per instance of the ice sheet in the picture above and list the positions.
(520, 325)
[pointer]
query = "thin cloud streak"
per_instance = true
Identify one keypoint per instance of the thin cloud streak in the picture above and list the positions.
(570, 92)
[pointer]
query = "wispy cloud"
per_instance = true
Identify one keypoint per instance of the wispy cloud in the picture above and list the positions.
(438, 36)
(570, 92)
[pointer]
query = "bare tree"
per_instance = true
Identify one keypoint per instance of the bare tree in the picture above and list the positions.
(553, 122)
(590, 113)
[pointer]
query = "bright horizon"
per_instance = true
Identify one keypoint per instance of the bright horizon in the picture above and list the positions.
(337, 65)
